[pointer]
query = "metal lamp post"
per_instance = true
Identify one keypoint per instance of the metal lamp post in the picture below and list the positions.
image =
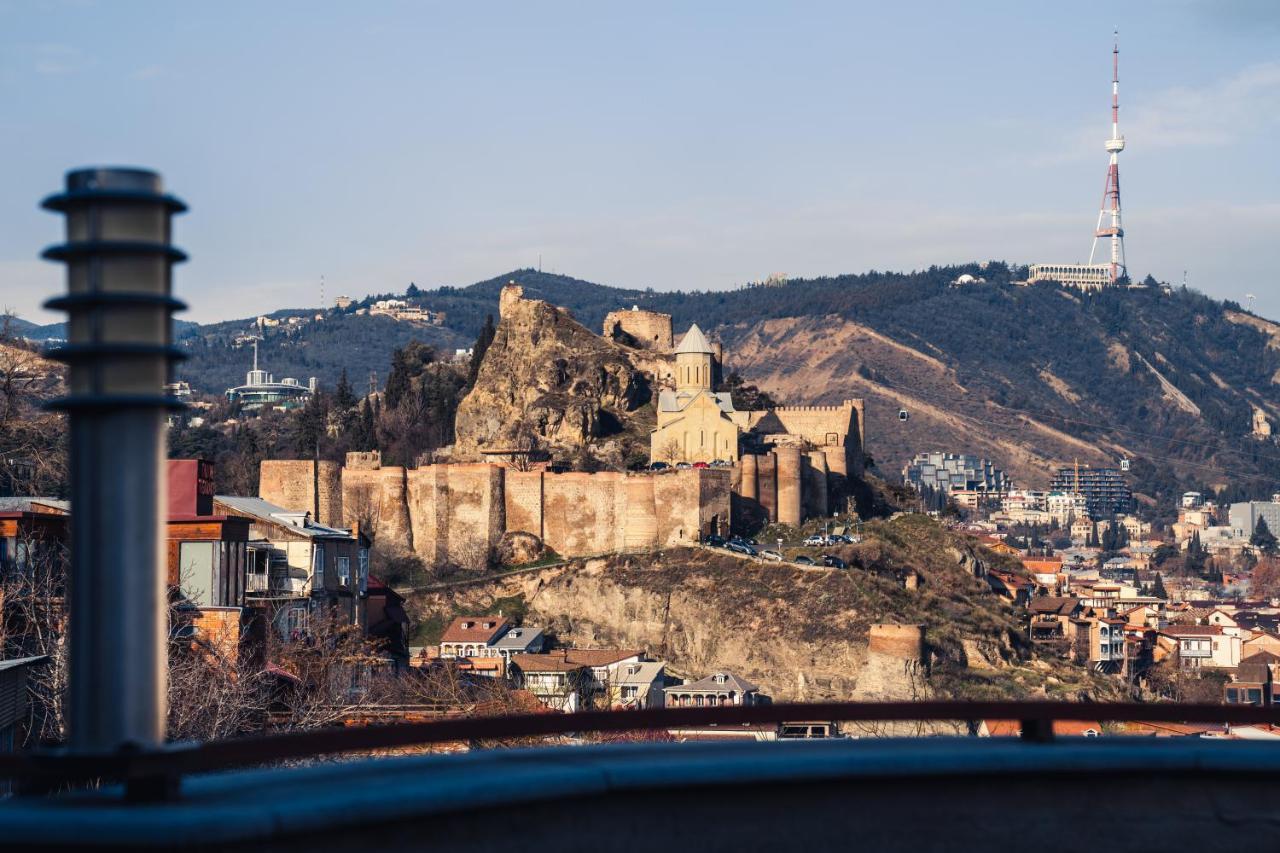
(119, 350)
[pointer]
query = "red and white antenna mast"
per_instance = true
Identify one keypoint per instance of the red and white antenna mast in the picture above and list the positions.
(1111, 192)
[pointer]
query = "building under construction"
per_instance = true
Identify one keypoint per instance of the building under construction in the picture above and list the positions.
(1106, 494)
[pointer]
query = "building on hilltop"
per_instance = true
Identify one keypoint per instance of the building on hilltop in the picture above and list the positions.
(1082, 276)
(787, 460)
(646, 329)
(261, 391)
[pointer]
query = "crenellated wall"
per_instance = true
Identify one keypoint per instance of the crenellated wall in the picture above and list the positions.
(445, 512)
(836, 430)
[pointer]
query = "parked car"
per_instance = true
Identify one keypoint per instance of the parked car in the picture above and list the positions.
(741, 548)
(701, 465)
(817, 540)
(721, 463)
(772, 556)
(683, 466)
(831, 561)
(840, 537)
(659, 466)
(743, 540)
(804, 561)
(714, 541)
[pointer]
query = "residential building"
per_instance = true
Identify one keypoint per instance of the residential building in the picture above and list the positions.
(556, 682)
(15, 716)
(522, 640)
(1200, 646)
(1018, 500)
(474, 637)
(1256, 681)
(638, 684)
(955, 472)
(720, 688)
(1066, 507)
(1050, 620)
(209, 559)
(387, 622)
(300, 569)
(1100, 643)
(32, 530)
(1105, 491)
(1243, 518)
(602, 665)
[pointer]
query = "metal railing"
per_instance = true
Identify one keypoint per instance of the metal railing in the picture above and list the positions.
(157, 774)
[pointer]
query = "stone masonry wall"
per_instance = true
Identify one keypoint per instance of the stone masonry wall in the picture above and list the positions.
(454, 512)
(291, 483)
(650, 328)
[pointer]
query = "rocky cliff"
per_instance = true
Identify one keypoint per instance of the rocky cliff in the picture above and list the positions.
(800, 634)
(548, 382)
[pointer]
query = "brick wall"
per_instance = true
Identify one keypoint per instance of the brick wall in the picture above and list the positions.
(900, 641)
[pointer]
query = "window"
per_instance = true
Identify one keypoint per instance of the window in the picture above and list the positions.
(364, 570)
(296, 622)
(344, 571)
(196, 572)
(317, 567)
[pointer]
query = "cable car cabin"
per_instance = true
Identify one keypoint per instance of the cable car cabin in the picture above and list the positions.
(902, 415)
(1124, 464)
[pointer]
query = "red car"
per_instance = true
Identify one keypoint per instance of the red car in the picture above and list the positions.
(701, 465)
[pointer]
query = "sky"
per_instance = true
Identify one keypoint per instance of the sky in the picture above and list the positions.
(666, 145)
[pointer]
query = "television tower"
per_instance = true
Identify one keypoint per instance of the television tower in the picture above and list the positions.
(1111, 192)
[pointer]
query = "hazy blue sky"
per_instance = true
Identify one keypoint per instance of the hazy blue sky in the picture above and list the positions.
(672, 145)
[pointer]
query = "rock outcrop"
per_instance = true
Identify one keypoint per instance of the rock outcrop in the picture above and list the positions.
(547, 381)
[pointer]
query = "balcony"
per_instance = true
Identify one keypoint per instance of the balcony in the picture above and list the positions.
(789, 794)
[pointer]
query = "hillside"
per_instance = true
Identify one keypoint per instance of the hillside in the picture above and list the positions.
(360, 345)
(1032, 377)
(800, 634)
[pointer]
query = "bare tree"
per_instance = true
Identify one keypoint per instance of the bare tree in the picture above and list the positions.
(671, 451)
(33, 455)
(33, 624)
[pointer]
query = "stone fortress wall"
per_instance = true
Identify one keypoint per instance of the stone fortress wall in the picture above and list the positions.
(444, 512)
(650, 329)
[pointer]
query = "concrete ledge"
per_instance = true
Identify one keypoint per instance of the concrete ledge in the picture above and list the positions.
(885, 794)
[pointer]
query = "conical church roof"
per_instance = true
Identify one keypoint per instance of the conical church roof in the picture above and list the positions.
(694, 341)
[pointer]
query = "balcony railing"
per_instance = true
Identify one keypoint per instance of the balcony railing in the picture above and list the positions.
(150, 775)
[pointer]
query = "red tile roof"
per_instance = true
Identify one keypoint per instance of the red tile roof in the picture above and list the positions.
(476, 629)
(544, 663)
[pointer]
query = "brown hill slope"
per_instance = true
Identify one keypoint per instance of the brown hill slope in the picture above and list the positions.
(802, 634)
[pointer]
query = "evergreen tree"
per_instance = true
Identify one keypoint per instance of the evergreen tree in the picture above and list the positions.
(344, 399)
(398, 381)
(1157, 589)
(1263, 539)
(412, 290)
(365, 435)
(487, 333)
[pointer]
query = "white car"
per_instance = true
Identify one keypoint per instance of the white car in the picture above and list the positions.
(773, 556)
(817, 540)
